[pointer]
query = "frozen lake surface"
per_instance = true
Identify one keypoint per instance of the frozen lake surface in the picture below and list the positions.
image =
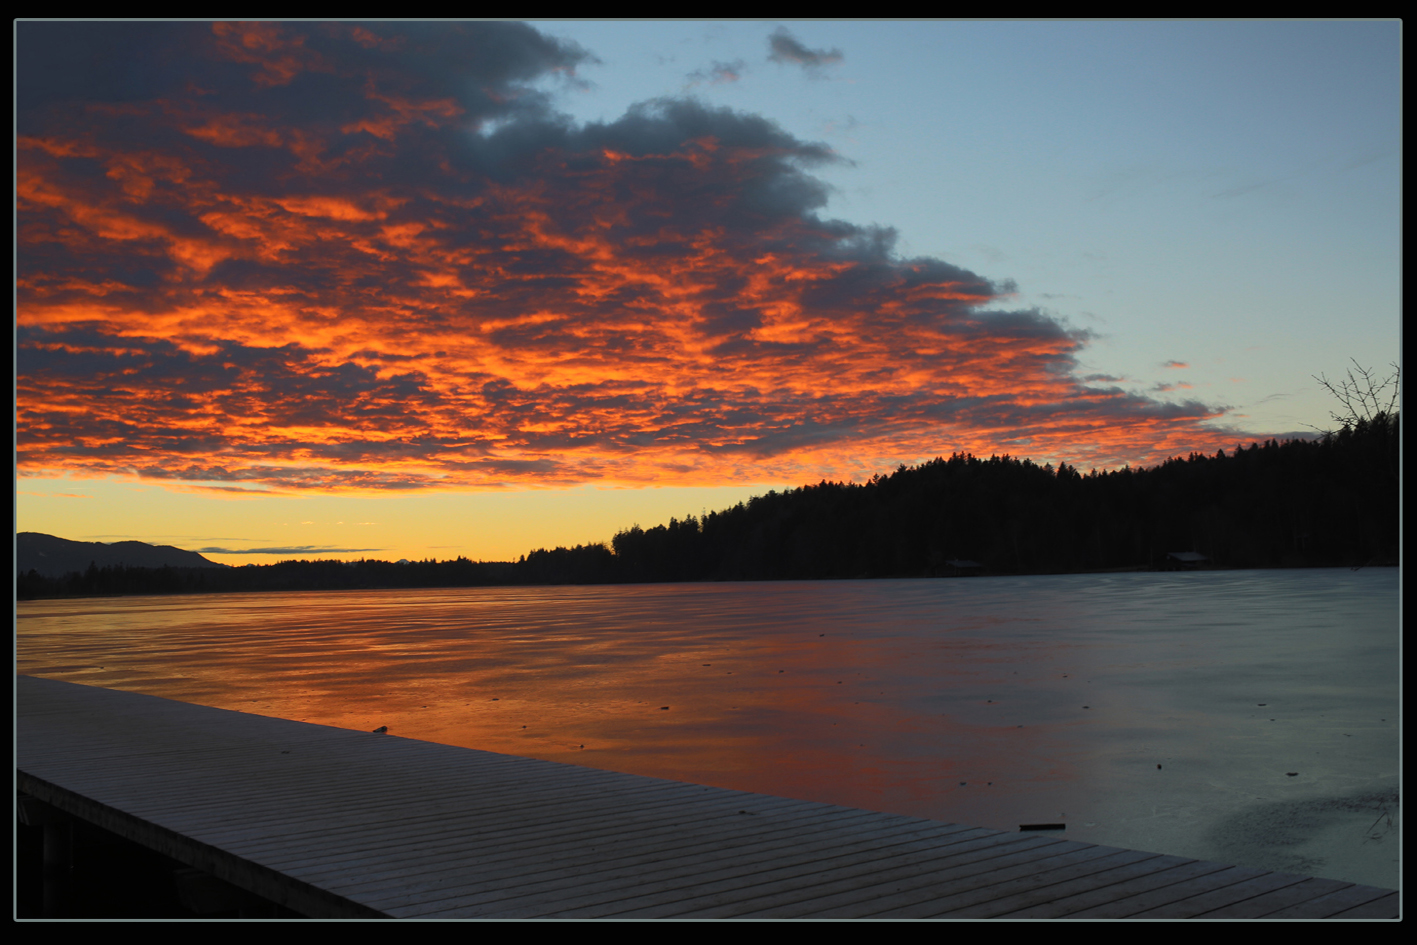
(1249, 717)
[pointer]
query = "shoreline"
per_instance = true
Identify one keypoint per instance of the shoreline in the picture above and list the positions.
(1127, 569)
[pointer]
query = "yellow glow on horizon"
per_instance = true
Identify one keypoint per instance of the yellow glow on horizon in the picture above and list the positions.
(481, 526)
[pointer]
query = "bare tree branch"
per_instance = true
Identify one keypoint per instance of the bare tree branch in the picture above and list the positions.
(1365, 396)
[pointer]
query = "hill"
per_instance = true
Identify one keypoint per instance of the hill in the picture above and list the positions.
(55, 557)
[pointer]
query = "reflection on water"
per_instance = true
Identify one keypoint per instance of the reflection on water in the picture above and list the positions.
(1153, 711)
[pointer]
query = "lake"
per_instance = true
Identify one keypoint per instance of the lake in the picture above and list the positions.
(1249, 717)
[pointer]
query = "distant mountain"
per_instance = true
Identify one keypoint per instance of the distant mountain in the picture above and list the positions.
(55, 557)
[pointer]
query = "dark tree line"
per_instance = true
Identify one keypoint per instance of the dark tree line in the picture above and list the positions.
(1300, 503)
(1293, 504)
(283, 576)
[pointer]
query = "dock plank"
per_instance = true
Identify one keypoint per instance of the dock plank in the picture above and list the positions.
(850, 895)
(673, 880)
(1167, 871)
(1342, 902)
(797, 872)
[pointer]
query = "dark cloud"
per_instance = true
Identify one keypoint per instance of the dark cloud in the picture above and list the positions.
(785, 48)
(300, 74)
(321, 256)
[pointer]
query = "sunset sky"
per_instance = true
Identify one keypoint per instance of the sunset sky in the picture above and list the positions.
(438, 289)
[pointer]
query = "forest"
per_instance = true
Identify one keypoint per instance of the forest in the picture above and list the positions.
(1331, 501)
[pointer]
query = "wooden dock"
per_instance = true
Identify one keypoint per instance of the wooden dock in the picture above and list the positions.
(335, 823)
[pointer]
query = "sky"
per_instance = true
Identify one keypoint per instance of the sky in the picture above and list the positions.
(429, 289)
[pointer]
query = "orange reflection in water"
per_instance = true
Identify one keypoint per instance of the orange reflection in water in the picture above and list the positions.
(783, 689)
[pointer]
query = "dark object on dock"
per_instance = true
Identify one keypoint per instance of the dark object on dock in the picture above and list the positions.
(1043, 826)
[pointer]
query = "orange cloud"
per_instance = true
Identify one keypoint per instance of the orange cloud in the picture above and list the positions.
(324, 277)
